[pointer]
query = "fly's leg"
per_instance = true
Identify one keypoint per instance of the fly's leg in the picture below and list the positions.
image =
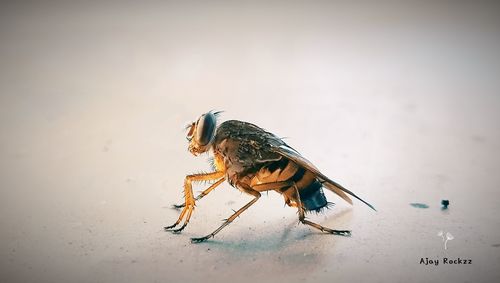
(290, 203)
(253, 191)
(230, 219)
(202, 194)
(294, 195)
(189, 199)
(290, 196)
(283, 187)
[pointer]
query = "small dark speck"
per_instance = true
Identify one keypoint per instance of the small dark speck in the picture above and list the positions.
(445, 203)
(496, 245)
(419, 205)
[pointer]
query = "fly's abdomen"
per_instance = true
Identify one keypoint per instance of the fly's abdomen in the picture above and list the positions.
(310, 190)
(277, 171)
(312, 196)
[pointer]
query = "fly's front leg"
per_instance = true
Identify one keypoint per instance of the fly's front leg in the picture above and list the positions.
(189, 199)
(202, 194)
(302, 218)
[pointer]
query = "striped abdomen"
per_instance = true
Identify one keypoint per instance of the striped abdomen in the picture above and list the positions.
(310, 189)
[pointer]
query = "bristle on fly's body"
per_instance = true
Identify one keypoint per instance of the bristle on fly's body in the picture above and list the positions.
(329, 205)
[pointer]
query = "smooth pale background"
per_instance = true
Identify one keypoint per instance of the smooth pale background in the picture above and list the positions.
(397, 101)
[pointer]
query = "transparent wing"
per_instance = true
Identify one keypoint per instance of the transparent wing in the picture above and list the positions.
(290, 153)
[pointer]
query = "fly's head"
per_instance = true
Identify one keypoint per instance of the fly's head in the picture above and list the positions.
(201, 133)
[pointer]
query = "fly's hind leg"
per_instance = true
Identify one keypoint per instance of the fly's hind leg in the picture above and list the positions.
(189, 199)
(293, 194)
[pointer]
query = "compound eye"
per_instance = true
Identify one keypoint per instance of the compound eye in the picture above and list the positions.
(205, 128)
(190, 133)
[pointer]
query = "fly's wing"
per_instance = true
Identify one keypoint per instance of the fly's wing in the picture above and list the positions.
(249, 147)
(288, 152)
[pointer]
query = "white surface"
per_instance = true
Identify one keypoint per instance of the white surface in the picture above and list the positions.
(397, 102)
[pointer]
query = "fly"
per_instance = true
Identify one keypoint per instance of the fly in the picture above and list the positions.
(255, 161)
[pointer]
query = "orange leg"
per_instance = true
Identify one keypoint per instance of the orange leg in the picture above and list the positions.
(283, 187)
(202, 194)
(190, 200)
(289, 195)
(255, 191)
